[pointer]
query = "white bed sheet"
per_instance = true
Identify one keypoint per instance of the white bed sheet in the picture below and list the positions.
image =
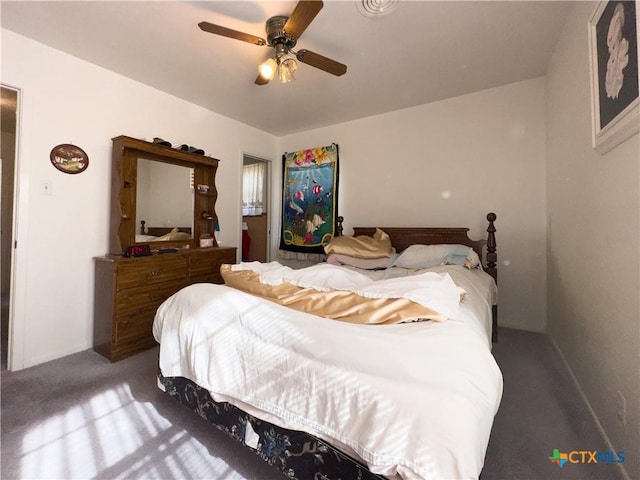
(412, 400)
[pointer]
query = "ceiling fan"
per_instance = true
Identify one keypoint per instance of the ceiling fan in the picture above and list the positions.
(282, 34)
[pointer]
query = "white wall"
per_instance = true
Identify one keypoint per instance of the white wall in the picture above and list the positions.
(449, 163)
(593, 244)
(67, 100)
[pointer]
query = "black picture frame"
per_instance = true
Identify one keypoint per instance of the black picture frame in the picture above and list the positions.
(613, 46)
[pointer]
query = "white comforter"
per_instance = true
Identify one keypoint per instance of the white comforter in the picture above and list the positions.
(412, 400)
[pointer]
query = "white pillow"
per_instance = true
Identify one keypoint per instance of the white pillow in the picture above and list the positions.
(426, 256)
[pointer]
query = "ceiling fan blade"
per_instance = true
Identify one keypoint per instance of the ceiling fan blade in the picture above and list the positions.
(227, 32)
(321, 62)
(260, 80)
(302, 16)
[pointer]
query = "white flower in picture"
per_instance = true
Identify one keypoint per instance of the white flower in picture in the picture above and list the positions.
(618, 53)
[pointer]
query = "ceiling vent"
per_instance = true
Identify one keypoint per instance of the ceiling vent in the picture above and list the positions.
(376, 8)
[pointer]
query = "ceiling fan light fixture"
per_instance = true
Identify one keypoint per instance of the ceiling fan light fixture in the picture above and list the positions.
(283, 33)
(268, 69)
(287, 70)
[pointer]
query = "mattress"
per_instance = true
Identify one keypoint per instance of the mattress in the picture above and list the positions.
(409, 400)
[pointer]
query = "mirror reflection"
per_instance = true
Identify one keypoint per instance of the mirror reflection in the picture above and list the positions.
(164, 201)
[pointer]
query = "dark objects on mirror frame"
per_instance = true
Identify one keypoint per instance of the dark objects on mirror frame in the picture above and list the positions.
(183, 147)
(197, 151)
(161, 141)
(188, 148)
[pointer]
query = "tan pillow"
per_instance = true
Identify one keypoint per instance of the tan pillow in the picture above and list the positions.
(361, 246)
(174, 234)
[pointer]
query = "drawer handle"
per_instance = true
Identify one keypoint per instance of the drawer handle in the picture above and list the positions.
(154, 271)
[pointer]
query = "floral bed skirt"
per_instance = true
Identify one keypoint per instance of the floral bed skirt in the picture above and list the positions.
(298, 455)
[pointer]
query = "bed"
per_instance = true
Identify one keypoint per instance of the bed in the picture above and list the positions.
(319, 398)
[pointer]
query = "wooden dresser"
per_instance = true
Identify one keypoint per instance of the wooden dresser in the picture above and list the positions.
(129, 289)
(128, 292)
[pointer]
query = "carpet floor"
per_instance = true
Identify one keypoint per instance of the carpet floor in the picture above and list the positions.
(81, 417)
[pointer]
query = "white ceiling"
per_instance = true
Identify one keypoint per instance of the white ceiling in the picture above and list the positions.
(422, 52)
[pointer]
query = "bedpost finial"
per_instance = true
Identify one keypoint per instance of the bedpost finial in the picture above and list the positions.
(492, 256)
(492, 269)
(339, 228)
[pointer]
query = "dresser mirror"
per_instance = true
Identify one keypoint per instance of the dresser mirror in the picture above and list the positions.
(161, 196)
(164, 201)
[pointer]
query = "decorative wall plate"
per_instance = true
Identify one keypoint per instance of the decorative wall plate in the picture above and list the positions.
(69, 158)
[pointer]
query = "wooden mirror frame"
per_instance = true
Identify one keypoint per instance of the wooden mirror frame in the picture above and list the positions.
(126, 151)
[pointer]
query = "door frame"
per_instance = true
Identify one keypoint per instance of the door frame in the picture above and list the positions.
(267, 200)
(14, 334)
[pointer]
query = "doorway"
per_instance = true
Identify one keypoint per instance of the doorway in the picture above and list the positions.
(8, 123)
(255, 216)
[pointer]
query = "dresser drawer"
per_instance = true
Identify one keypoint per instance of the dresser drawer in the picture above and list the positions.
(152, 271)
(144, 300)
(135, 312)
(133, 328)
(130, 290)
(204, 265)
(134, 337)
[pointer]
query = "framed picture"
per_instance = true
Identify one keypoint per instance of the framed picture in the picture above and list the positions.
(613, 47)
(309, 199)
(68, 158)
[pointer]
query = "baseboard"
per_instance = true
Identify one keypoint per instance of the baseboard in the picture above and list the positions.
(620, 466)
(34, 361)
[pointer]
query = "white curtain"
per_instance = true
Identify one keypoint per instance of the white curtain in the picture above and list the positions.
(253, 177)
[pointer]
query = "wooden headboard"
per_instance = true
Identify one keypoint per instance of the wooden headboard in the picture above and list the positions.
(159, 231)
(402, 237)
